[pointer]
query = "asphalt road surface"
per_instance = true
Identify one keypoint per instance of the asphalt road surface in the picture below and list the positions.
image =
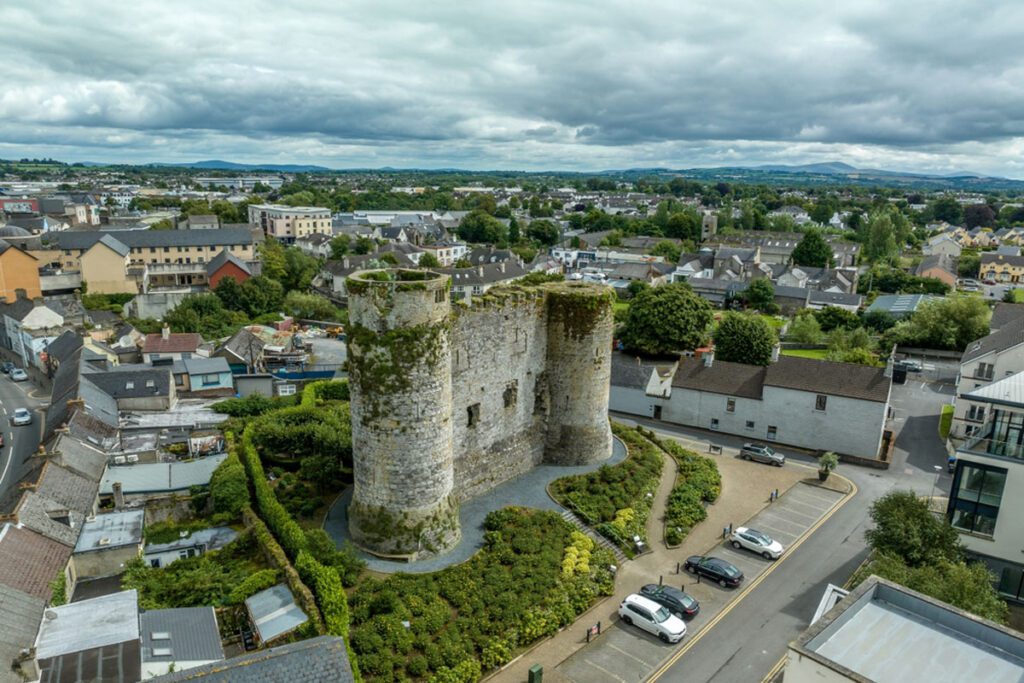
(20, 443)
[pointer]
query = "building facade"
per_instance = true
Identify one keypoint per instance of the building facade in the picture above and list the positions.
(288, 223)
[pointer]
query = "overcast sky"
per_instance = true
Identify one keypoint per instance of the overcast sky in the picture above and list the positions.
(932, 86)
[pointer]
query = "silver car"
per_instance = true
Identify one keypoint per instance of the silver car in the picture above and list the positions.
(762, 452)
(756, 541)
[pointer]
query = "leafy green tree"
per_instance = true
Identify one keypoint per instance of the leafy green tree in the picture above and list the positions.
(667, 249)
(514, 235)
(813, 250)
(429, 260)
(948, 209)
(300, 269)
(969, 264)
(880, 243)
(979, 215)
(230, 294)
(229, 488)
(832, 317)
(364, 245)
(744, 338)
(275, 266)
(309, 306)
(822, 212)
(684, 225)
(905, 528)
(951, 322)
(259, 295)
(162, 224)
(879, 321)
(544, 231)
(760, 294)
(666, 319)
(805, 329)
(341, 245)
(481, 227)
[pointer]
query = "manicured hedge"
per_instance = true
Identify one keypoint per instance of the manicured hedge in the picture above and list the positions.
(229, 489)
(697, 482)
(614, 498)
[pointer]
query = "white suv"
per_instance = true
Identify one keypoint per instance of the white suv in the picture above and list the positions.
(652, 617)
(756, 541)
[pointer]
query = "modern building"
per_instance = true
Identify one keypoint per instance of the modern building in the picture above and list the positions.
(288, 223)
(989, 359)
(899, 305)
(885, 633)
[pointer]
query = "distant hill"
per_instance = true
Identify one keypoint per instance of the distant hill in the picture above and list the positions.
(218, 165)
(827, 167)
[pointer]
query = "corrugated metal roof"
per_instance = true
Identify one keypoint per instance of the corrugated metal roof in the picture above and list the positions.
(161, 476)
(274, 612)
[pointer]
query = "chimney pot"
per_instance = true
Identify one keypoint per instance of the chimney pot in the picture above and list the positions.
(709, 359)
(118, 496)
(165, 332)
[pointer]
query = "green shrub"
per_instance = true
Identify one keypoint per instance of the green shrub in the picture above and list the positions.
(698, 481)
(167, 531)
(252, 584)
(229, 489)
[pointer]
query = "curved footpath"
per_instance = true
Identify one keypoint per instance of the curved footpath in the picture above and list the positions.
(528, 490)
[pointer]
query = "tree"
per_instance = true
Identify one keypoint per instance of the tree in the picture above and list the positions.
(969, 264)
(340, 246)
(760, 294)
(744, 338)
(684, 225)
(479, 226)
(880, 238)
(429, 260)
(832, 317)
(951, 322)
(947, 209)
(364, 245)
(805, 329)
(979, 215)
(230, 294)
(309, 306)
(821, 213)
(544, 231)
(907, 529)
(879, 321)
(300, 269)
(668, 250)
(162, 224)
(275, 266)
(666, 319)
(513, 230)
(259, 295)
(813, 250)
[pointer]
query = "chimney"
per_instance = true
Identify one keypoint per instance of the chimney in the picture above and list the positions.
(118, 496)
(20, 294)
(709, 358)
(888, 367)
(37, 301)
(776, 350)
(480, 270)
(502, 266)
(165, 332)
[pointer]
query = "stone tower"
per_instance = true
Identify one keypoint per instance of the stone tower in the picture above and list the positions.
(401, 405)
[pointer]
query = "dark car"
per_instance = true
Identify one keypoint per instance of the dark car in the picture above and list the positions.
(674, 599)
(6, 367)
(715, 569)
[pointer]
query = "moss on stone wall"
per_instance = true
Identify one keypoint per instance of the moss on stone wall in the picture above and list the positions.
(578, 307)
(390, 532)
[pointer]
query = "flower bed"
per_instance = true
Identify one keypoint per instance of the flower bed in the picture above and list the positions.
(697, 482)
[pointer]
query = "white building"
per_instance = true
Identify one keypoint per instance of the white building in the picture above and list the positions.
(985, 360)
(288, 223)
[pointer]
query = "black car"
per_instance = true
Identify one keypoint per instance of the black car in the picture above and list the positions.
(6, 367)
(674, 599)
(715, 569)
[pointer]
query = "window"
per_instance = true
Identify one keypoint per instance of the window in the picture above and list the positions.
(438, 296)
(714, 423)
(129, 385)
(977, 494)
(510, 396)
(976, 413)
(473, 415)
(211, 379)
(730, 405)
(772, 431)
(750, 424)
(155, 563)
(820, 402)
(150, 383)
(984, 371)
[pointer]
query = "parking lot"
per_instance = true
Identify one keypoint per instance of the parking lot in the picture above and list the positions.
(625, 653)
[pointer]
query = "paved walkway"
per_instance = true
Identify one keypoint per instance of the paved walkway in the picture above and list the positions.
(528, 489)
(746, 487)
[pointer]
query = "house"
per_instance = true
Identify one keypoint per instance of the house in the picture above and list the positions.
(476, 280)
(106, 544)
(649, 273)
(178, 640)
(899, 305)
(323, 659)
(243, 351)
(196, 544)
(938, 266)
(168, 346)
(717, 292)
(78, 457)
(22, 614)
(200, 222)
(29, 561)
(735, 264)
(30, 325)
(802, 402)
(937, 642)
(317, 245)
(273, 613)
(1001, 268)
(1004, 313)
(991, 358)
(225, 264)
(19, 270)
(699, 265)
(942, 244)
(56, 504)
(447, 253)
(104, 266)
(209, 377)
(817, 300)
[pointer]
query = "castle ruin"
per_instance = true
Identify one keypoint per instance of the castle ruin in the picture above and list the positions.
(449, 400)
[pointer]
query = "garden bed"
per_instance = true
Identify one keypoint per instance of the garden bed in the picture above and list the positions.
(698, 483)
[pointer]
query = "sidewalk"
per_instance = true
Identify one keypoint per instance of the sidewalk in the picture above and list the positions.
(745, 491)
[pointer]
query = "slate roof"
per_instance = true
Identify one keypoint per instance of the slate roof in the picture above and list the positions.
(70, 490)
(161, 477)
(827, 377)
(322, 659)
(940, 261)
(192, 635)
(21, 616)
(83, 239)
(631, 371)
(1009, 335)
(486, 274)
(243, 345)
(50, 518)
(114, 244)
(723, 377)
(992, 258)
(224, 257)
(78, 456)
(125, 384)
(202, 366)
(834, 298)
(176, 342)
(1004, 313)
(64, 345)
(29, 561)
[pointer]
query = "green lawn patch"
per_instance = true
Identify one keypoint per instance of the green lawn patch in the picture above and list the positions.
(620, 306)
(945, 421)
(818, 354)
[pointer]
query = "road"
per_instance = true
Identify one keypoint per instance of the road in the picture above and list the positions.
(753, 635)
(19, 442)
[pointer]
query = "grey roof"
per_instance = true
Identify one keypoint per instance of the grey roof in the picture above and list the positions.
(899, 305)
(322, 659)
(111, 530)
(834, 298)
(224, 257)
(67, 488)
(1008, 391)
(992, 258)
(723, 377)
(62, 347)
(190, 633)
(631, 371)
(83, 239)
(116, 245)
(937, 642)
(50, 518)
(1004, 313)
(79, 626)
(210, 539)
(160, 477)
(243, 345)
(941, 261)
(69, 386)
(201, 366)
(78, 456)
(827, 377)
(274, 612)
(486, 274)
(1008, 336)
(21, 616)
(133, 383)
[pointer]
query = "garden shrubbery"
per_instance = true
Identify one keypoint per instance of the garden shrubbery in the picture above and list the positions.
(229, 489)
(473, 617)
(614, 498)
(697, 482)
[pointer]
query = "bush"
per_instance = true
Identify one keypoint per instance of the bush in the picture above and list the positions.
(253, 584)
(229, 489)
(697, 482)
(250, 406)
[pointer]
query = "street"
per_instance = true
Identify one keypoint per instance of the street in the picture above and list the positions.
(19, 442)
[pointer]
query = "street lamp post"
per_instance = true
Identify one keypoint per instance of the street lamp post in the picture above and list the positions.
(935, 486)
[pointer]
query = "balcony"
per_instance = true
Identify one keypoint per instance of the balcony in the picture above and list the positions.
(983, 444)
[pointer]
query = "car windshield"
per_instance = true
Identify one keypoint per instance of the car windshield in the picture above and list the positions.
(661, 615)
(728, 569)
(763, 539)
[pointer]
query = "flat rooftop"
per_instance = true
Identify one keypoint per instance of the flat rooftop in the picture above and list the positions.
(886, 633)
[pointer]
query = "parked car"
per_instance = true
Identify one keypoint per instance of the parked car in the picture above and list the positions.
(912, 365)
(715, 569)
(756, 541)
(19, 375)
(22, 416)
(6, 367)
(652, 617)
(990, 282)
(762, 452)
(678, 602)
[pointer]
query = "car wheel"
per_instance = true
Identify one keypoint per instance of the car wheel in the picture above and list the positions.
(664, 637)
(691, 569)
(628, 620)
(746, 456)
(736, 544)
(767, 555)
(722, 583)
(778, 464)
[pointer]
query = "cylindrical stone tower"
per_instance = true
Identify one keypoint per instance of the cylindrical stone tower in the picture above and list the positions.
(579, 366)
(401, 405)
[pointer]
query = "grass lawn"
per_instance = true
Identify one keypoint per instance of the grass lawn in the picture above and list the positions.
(945, 421)
(819, 354)
(620, 306)
(1018, 295)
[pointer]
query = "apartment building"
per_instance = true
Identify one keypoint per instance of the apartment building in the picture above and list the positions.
(289, 223)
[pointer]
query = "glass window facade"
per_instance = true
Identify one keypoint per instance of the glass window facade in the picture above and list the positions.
(976, 494)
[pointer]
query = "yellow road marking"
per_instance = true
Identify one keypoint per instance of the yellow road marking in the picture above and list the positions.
(750, 587)
(775, 670)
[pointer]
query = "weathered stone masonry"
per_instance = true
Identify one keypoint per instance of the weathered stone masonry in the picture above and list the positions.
(450, 400)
